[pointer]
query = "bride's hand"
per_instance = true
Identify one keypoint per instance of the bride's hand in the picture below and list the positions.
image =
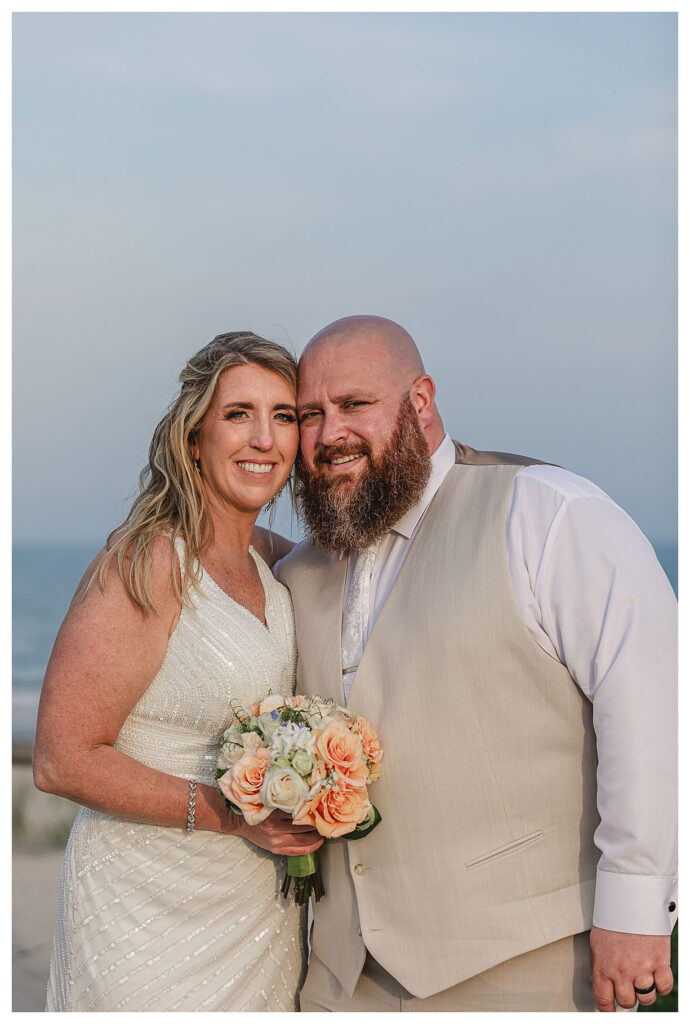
(277, 834)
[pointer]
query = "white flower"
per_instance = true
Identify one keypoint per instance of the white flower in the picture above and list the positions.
(303, 762)
(290, 736)
(283, 789)
(317, 707)
(318, 721)
(268, 722)
(229, 753)
(234, 733)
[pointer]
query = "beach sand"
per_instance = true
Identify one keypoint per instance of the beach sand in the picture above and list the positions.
(40, 825)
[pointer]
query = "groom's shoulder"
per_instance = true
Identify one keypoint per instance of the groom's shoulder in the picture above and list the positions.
(304, 556)
(300, 551)
(465, 455)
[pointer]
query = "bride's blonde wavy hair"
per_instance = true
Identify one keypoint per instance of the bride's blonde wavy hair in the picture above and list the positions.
(172, 500)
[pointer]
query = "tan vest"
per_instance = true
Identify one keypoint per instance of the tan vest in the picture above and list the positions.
(488, 789)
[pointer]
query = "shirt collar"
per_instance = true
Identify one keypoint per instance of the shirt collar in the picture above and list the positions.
(442, 461)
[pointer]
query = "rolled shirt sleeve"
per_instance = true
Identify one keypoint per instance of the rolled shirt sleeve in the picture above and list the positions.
(592, 593)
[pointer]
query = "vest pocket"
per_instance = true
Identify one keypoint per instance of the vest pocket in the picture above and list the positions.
(504, 851)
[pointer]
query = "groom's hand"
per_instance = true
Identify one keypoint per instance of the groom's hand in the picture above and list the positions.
(278, 835)
(621, 961)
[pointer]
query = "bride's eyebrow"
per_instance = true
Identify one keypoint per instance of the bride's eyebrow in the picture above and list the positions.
(250, 405)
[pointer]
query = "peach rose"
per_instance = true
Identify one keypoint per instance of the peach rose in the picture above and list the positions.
(342, 750)
(318, 774)
(342, 716)
(371, 745)
(251, 742)
(241, 785)
(335, 812)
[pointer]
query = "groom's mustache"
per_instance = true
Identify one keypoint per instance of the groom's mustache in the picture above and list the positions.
(327, 453)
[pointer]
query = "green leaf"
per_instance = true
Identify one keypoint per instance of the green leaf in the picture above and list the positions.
(364, 828)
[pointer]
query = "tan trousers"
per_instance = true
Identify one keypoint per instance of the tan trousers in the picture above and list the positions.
(555, 977)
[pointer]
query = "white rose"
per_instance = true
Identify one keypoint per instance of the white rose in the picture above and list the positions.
(319, 721)
(318, 707)
(268, 724)
(283, 789)
(303, 762)
(229, 753)
(234, 733)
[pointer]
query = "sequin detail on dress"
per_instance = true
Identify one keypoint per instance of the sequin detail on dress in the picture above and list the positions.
(153, 918)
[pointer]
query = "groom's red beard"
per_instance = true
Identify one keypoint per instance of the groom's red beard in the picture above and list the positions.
(340, 516)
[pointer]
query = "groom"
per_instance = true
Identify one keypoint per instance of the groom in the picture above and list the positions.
(499, 622)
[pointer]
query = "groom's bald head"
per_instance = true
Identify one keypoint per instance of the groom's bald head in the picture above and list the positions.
(370, 351)
(381, 339)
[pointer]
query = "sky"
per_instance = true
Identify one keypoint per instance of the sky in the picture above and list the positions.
(503, 185)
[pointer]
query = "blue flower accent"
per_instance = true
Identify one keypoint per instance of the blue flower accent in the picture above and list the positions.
(274, 714)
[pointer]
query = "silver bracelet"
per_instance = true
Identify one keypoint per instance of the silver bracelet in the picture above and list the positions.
(191, 807)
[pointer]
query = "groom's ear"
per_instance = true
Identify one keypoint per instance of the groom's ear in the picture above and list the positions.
(422, 394)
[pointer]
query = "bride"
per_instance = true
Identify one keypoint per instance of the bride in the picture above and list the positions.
(167, 900)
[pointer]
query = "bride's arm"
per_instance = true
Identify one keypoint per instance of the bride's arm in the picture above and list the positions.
(104, 658)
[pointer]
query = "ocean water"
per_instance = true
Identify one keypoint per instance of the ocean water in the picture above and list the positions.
(44, 580)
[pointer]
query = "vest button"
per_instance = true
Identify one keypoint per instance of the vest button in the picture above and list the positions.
(671, 905)
(359, 869)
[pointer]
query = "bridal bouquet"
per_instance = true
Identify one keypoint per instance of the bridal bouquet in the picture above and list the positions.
(306, 756)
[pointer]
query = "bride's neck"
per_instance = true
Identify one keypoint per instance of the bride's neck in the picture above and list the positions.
(232, 532)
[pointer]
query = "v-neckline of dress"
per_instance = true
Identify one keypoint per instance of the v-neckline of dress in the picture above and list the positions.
(264, 624)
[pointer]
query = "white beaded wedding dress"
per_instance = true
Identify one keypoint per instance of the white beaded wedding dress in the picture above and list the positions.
(154, 918)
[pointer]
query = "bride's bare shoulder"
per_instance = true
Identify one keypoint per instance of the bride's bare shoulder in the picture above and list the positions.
(164, 566)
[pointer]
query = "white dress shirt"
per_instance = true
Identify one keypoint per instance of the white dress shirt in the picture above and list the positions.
(591, 592)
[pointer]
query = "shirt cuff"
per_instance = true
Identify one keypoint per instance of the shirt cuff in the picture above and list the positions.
(639, 904)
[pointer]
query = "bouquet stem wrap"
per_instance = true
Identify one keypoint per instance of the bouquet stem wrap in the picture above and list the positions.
(304, 870)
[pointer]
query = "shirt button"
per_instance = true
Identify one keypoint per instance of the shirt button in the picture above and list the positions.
(671, 906)
(359, 869)
(359, 931)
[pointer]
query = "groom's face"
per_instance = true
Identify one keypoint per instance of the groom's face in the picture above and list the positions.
(364, 458)
(348, 403)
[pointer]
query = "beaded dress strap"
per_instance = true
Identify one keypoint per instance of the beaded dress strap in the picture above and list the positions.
(180, 551)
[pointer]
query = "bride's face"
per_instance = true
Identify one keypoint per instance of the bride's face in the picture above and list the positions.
(248, 439)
